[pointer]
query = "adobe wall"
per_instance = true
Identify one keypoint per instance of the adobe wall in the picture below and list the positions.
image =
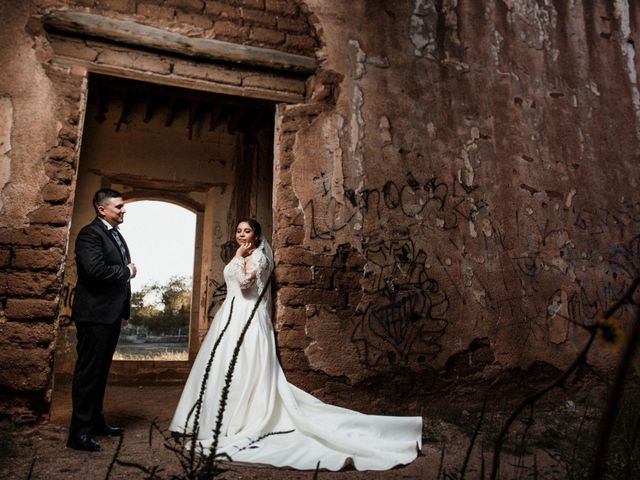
(457, 189)
(42, 108)
(472, 195)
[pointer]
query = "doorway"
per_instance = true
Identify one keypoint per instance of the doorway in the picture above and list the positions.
(209, 153)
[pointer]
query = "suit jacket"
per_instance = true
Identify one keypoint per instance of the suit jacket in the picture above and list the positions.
(103, 292)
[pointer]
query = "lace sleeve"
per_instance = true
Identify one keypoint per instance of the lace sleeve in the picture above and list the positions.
(237, 271)
(247, 276)
(261, 266)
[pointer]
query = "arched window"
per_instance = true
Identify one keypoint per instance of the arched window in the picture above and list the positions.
(161, 239)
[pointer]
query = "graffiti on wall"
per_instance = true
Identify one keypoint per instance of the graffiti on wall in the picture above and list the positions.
(434, 248)
(443, 204)
(403, 311)
(66, 301)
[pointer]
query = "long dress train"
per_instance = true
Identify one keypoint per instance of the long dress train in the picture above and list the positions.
(268, 420)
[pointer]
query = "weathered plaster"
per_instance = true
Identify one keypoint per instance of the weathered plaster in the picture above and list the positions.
(627, 47)
(6, 126)
(34, 123)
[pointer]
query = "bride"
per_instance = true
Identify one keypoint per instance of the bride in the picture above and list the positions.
(264, 419)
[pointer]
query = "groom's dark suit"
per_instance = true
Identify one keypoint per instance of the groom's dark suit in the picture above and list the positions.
(102, 299)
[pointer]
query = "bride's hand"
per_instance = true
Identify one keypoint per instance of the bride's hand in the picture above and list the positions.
(244, 250)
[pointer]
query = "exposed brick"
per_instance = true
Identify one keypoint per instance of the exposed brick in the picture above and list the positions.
(282, 7)
(135, 60)
(5, 257)
(348, 280)
(27, 333)
(199, 21)
(37, 259)
(37, 235)
(287, 198)
(293, 360)
(153, 10)
(296, 25)
(306, 109)
(74, 49)
(354, 298)
(258, 17)
(300, 42)
(301, 256)
(68, 137)
(292, 338)
(224, 28)
(294, 275)
(288, 317)
(60, 171)
(223, 10)
(265, 35)
(26, 308)
(274, 83)
(257, 4)
(322, 276)
(30, 284)
(61, 153)
(50, 214)
(53, 192)
(288, 216)
(298, 297)
(122, 6)
(295, 124)
(29, 368)
(192, 6)
(355, 261)
(293, 236)
(207, 72)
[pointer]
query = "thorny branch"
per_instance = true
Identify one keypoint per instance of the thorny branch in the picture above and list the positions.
(581, 358)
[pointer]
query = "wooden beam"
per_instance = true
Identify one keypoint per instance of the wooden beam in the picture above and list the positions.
(215, 112)
(181, 82)
(171, 113)
(193, 115)
(150, 108)
(132, 33)
(126, 108)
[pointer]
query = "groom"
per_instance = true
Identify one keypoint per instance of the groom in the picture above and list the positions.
(102, 299)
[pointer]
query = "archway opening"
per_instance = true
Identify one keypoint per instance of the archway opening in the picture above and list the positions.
(162, 290)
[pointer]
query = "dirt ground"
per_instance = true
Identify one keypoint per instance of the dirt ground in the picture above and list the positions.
(42, 449)
(135, 408)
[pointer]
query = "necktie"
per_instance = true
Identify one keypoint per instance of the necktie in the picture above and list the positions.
(120, 242)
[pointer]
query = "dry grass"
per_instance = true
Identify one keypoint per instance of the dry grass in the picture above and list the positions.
(171, 356)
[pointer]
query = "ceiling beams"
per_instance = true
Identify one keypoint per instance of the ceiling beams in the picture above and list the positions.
(189, 106)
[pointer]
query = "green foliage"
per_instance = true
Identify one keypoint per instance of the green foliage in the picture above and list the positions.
(171, 311)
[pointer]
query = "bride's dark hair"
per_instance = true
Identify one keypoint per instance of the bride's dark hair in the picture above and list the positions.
(255, 226)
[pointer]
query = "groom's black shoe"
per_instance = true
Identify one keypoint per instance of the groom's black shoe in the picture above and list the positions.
(107, 431)
(83, 441)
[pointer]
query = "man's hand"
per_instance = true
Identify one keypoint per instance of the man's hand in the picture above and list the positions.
(133, 268)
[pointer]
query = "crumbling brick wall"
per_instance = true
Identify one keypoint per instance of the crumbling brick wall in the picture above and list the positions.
(456, 192)
(42, 105)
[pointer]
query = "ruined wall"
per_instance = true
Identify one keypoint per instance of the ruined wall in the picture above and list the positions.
(42, 102)
(457, 189)
(41, 112)
(472, 193)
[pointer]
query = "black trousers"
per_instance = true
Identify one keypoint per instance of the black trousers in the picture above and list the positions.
(96, 344)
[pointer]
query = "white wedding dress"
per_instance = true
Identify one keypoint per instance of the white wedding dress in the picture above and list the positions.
(261, 401)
